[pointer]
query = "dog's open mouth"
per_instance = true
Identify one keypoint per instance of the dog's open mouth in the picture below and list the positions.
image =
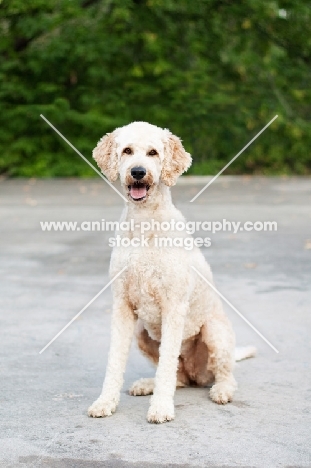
(138, 190)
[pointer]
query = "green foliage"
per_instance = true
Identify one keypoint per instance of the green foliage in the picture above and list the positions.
(213, 71)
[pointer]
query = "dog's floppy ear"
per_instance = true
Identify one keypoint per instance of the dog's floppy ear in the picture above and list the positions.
(105, 154)
(176, 160)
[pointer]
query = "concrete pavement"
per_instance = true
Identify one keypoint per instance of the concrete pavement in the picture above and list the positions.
(47, 277)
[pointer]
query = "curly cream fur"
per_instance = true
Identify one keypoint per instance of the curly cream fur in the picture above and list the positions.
(180, 323)
(176, 162)
(106, 157)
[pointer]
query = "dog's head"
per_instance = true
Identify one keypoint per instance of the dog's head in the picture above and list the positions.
(144, 156)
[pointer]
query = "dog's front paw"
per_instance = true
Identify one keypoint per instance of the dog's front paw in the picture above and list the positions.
(160, 412)
(222, 392)
(101, 408)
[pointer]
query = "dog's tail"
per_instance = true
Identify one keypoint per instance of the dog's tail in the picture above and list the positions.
(245, 352)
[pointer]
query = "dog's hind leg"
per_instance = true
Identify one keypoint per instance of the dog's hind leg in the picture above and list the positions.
(148, 346)
(219, 338)
(141, 387)
(150, 349)
(145, 386)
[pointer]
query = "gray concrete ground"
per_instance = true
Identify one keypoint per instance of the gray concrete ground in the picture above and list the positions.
(47, 277)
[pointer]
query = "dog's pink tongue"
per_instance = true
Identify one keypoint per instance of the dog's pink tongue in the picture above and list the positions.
(138, 192)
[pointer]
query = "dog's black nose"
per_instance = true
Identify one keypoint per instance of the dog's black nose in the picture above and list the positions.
(138, 172)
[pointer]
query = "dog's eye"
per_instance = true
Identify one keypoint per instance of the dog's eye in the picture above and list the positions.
(153, 152)
(127, 151)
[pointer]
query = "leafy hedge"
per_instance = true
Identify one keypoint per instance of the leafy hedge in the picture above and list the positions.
(213, 71)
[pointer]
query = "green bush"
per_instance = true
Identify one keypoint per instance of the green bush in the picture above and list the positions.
(213, 71)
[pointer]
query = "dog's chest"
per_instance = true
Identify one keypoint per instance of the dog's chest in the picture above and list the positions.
(145, 287)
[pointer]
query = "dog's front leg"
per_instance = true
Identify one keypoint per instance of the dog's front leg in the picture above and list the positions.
(162, 401)
(122, 330)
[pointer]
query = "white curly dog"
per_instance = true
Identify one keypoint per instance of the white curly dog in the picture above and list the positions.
(180, 323)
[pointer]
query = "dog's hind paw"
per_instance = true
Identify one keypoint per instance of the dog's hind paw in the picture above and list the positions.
(142, 387)
(222, 392)
(101, 408)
